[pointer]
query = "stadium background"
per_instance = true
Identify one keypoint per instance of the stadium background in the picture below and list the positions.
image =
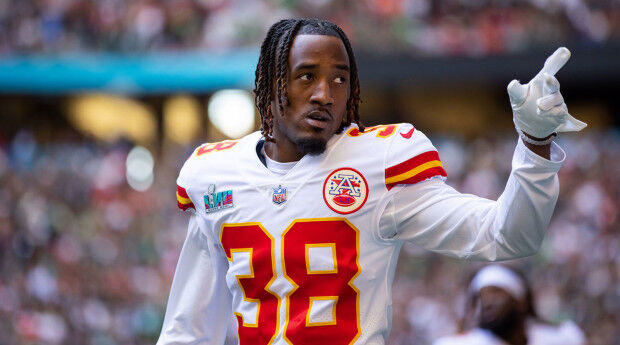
(101, 101)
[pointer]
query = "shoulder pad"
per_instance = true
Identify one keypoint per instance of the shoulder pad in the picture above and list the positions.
(209, 148)
(378, 131)
(194, 167)
(411, 158)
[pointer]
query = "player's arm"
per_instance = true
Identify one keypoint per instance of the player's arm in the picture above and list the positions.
(439, 218)
(199, 306)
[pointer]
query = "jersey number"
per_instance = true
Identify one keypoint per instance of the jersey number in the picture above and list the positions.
(383, 131)
(215, 147)
(323, 305)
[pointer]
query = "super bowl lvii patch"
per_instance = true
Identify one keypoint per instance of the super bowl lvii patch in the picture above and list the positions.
(215, 201)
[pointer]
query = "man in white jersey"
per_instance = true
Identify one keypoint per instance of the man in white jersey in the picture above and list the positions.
(501, 303)
(295, 231)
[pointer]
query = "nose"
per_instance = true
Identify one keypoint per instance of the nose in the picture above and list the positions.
(322, 94)
(494, 297)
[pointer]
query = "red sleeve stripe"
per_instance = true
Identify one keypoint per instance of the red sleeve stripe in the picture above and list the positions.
(183, 200)
(182, 192)
(428, 173)
(411, 163)
(414, 170)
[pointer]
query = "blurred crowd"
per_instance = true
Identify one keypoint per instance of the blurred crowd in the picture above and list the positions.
(419, 27)
(85, 259)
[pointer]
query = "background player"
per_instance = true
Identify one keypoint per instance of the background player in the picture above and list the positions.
(501, 304)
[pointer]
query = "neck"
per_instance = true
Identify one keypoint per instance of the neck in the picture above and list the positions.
(513, 335)
(282, 151)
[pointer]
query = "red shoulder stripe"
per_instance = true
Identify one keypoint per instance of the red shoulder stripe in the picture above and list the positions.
(182, 192)
(411, 163)
(414, 170)
(183, 200)
(428, 173)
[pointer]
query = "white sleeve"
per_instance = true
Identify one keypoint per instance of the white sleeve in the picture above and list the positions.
(571, 333)
(199, 306)
(567, 333)
(437, 217)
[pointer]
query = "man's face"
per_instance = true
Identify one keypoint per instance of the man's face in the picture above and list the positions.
(498, 309)
(318, 90)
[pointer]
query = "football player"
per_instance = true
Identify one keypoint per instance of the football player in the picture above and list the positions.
(295, 230)
(501, 302)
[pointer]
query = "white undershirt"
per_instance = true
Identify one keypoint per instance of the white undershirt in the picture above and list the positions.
(276, 167)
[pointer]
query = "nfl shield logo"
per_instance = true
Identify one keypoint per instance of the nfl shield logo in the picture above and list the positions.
(279, 195)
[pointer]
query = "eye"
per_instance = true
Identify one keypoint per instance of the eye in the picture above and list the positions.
(340, 80)
(305, 76)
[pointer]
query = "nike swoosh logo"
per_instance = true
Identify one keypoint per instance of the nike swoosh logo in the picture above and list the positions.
(408, 134)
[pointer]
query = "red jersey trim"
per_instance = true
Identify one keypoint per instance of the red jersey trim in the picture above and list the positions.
(183, 200)
(414, 170)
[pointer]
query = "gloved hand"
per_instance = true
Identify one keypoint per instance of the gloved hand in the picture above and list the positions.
(538, 108)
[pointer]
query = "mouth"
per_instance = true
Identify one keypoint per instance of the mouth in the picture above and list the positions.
(491, 312)
(318, 119)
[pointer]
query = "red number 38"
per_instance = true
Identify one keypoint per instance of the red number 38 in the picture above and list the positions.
(328, 290)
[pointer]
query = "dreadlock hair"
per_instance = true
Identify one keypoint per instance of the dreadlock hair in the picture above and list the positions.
(271, 74)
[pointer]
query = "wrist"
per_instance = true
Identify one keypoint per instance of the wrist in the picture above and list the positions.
(540, 146)
(542, 150)
(529, 139)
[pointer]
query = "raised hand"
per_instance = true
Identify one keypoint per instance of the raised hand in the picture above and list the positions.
(538, 107)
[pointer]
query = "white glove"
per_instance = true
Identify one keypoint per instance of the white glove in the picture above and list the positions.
(538, 108)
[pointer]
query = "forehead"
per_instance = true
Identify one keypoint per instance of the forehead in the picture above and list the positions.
(495, 291)
(317, 49)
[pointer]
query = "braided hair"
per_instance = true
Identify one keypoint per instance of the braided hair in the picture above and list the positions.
(272, 69)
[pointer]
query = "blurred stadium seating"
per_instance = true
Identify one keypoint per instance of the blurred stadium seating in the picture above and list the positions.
(425, 27)
(87, 256)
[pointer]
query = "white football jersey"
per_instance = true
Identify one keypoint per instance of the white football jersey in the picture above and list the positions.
(308, 257)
